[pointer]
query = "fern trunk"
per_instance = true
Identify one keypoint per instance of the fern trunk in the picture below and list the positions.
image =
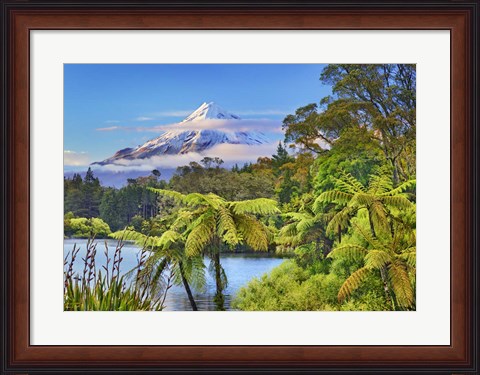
(386, 288)
(219, 298)
(187, 288)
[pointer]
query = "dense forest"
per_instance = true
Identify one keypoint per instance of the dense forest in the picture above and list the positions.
(337, 197)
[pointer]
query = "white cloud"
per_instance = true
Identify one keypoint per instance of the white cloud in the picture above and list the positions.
(229, 153)
(110, 128)
(75, 159)
(261, 125)
(144, 118)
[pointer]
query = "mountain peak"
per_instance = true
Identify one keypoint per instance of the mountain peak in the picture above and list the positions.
(209, 111)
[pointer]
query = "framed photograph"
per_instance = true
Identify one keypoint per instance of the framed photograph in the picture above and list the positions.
(240, 186)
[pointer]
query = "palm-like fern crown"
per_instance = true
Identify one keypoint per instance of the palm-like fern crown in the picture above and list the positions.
(379, 198)
(166, 252)
(394, 255)
(299, 228)
(211, 217)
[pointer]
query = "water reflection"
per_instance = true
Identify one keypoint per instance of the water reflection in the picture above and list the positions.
(239, 268)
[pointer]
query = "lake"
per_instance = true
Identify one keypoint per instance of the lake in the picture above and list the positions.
(240, 268)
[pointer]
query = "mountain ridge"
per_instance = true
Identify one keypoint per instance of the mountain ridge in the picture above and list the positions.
(183, 141)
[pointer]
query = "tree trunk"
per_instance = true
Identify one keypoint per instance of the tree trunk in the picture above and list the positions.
(372, 228)
(386, 289)
(219, 298)
(187, 288)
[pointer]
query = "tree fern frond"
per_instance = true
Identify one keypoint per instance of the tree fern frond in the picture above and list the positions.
(397, 201)
(410, 257)
(168, 238)
(350, 252)
(361, 199)
(288, 230)
(401, 188)
(331, 196)
(352, 283)
(195, 273)
(175, 195)
(259, 206)
(378, 216)
(196, 199)
(401, 284)
(367, 236)
(254, 233)
(379, 184)
(200, 235)
(306, 224)
(132, 235)
(376, 259)
(340, 219)
(226, 227)
(353, 181)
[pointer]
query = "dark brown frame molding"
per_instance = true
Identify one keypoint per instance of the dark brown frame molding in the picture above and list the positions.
(19, 17)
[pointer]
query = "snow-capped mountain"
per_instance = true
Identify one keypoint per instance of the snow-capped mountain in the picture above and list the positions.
(210, 111)
(182, 141)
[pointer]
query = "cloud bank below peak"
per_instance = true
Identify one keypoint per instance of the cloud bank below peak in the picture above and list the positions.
(230, 153)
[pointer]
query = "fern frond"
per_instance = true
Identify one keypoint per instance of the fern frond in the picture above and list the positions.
(376, 244)
(340, 219)
(195, 274)
(197, 199)
(401, 284)
(254, 233)
(401, 188)
(226, 228)
(410, 257)
(175, 195)
(350, 252)
(353, 282)
(397, 201)
(168, 238)
(353, 181)
(139, 238)
(259, 206)
(378, 216)
(379, 184)
(376, 259)
(331, 196)
(361, 199)
(200, 235)
(306, 224)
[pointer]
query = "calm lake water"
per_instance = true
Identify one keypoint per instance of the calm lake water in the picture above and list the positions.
(239, 268)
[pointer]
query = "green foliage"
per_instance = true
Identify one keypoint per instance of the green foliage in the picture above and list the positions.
(94, 290)
(104, 296)
(81, 227)
(289, 287)
(338, 196)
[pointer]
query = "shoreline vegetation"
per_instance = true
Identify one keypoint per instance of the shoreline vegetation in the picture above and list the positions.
(338, 198)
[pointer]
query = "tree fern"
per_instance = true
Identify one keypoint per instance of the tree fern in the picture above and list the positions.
(350, 252)
(353, 282)
(401, 284)
(200, 235)
(259, 206)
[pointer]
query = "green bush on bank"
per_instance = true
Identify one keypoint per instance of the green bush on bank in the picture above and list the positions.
(81, 227)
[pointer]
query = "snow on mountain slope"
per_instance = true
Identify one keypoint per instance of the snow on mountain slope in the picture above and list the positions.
(178, 141)
(210, 111)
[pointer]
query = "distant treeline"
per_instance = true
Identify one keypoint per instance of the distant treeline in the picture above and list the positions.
(134, 203)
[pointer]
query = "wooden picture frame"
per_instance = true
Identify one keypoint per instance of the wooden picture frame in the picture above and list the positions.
(19, 18)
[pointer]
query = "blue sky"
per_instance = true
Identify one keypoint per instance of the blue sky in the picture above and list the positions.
(131, 98)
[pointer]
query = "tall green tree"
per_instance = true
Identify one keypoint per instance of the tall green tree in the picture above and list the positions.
(167, 259)
(211, 221)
